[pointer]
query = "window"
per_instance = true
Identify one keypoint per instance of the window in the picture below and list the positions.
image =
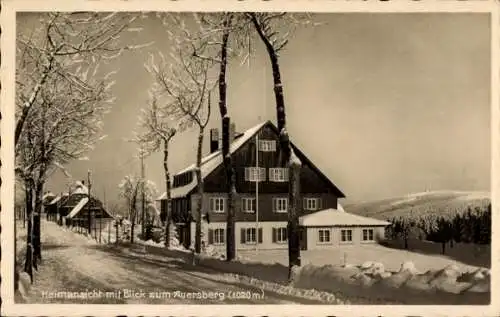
(251, 235)
(368, 235)
(248, 235)
(248, 205)
(216, 236)
(278, 174)
(346, 235)
(217, 204)
(280, 235)
(254, 174)
(280, 204)
(312, 203)
(324, 235)
(267, 145)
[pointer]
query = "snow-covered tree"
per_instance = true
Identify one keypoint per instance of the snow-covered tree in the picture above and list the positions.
(185, 86)
(224, 35)
(130, 188)
(274, 30)
(69, 46)
(61, 94)
(158, 129)
(62, 126)
(217, 37)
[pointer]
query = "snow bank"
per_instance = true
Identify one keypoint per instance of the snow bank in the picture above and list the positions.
(447, 286)
(369, 283)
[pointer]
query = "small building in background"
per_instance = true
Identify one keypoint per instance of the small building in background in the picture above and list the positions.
(72, 209)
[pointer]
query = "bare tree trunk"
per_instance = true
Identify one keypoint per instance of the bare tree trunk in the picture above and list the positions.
(199, 207)
(28, 264)
(24, 216)
(133, 209)
(230, 175)
(37, 250)
(169, 194)
(286, 153)
(132, 225)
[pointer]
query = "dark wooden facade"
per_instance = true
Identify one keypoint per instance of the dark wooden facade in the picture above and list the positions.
(313, 184)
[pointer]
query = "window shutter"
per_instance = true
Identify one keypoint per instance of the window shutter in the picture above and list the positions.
(246, 173)
(274, 235)
(242, 238)
(212, 202)
(320, 203)
(210, 236)
(260, 235)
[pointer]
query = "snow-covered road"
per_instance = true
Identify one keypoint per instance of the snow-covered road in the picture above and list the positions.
(76, 266)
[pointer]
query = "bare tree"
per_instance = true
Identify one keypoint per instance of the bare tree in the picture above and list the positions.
(129, 189)
(68, 46)
(274, 30)
(186, 86)
(211, 41)
(158, 131)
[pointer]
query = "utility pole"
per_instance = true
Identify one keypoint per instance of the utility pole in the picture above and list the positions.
(143, 231)
(88, 204)
(257, 191)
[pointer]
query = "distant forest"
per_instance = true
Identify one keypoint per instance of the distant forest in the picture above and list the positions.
(471, 225)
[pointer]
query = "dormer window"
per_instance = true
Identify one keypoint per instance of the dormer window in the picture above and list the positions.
(267, 145)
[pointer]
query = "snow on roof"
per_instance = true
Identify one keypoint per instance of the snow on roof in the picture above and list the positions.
(47, 195)
(80, 189)
(217, 156)
(210, 162)
(78, 207)
(55, 200)
(335, 217)
(153, 207)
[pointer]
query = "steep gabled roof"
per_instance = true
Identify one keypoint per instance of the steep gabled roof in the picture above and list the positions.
(48, 197)
(78, 207)
(210, 162)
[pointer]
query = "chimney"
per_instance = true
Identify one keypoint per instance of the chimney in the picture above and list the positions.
(214, 140)
(232, 132)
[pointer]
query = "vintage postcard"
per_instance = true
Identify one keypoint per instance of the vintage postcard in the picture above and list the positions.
(288, 158)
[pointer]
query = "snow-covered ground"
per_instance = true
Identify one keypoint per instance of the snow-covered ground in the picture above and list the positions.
(461, 195)
(359, 254)
(71, 264)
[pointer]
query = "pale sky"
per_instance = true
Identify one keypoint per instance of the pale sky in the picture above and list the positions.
(383, 104)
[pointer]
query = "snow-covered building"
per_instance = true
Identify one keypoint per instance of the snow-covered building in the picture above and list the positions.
(262, 200)
(72, 208)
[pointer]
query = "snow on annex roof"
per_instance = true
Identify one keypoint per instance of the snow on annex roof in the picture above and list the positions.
(78, 207)
(338, 217)
(210, 162)
(55, 200)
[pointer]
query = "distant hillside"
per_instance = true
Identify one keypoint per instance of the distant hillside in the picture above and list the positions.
(434, 202)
